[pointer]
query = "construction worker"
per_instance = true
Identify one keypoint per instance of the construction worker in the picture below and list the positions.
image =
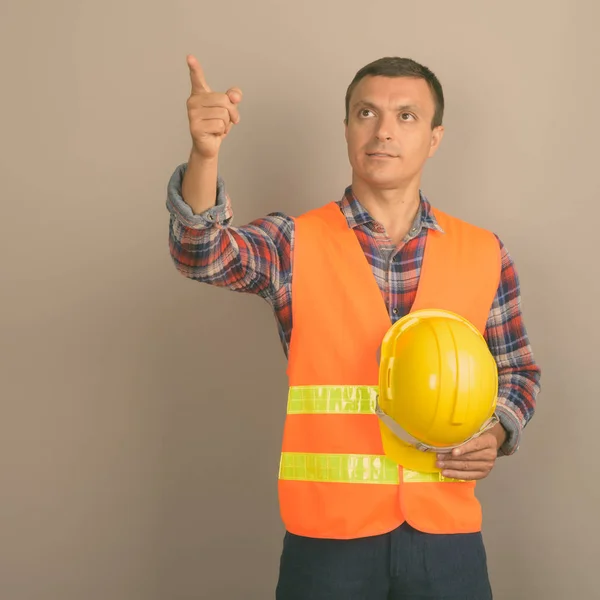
(353, 268)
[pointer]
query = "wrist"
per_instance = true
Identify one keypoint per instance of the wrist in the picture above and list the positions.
(198, 157)
(500, 434)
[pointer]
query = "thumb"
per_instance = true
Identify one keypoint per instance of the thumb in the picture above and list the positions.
(235, 95)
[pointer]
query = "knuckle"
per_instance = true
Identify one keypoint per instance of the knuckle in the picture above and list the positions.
(218, 98)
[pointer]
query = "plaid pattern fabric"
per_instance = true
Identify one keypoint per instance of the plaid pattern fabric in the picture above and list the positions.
(256, 259)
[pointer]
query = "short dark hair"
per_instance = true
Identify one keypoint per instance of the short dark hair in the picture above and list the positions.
(393, 66)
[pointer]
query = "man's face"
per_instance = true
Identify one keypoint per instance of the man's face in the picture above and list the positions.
(389, 131)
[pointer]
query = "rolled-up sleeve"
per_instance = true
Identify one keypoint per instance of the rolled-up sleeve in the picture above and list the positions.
(254, 258)
(220, 214)
(518, 373)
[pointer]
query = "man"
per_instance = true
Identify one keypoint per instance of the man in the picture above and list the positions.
(382, 241)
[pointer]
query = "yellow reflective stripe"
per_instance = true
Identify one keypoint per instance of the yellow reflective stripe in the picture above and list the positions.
(350, 468)
(332, 399)
(409, 476)
(338, 468)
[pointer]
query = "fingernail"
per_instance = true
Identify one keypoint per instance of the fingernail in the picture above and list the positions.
(440, 464)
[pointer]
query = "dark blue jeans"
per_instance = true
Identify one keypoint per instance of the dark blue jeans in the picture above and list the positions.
(404, 564)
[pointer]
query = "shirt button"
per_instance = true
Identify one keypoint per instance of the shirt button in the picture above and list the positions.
(395, 311)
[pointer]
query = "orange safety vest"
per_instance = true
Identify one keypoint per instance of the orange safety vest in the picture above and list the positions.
(334, 479)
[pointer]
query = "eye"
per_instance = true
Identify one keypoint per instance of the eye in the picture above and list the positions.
(364, 112)
(407, 116)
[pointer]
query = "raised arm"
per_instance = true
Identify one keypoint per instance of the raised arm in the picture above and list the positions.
(211, 116)
(204, 245)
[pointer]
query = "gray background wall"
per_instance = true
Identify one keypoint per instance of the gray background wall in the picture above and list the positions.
(141, 413)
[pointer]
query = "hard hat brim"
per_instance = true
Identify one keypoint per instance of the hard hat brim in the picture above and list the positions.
(405, 454)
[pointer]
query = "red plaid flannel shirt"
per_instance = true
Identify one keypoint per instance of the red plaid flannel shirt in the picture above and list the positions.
(256, 259)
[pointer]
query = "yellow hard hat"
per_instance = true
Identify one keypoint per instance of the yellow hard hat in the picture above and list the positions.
(438, 384)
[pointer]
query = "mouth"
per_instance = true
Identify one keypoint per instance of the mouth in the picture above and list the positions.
(380, 155)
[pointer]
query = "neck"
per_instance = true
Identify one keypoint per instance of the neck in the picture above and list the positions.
(394, 208)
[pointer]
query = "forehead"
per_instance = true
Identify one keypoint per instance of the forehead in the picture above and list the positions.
(401, 91)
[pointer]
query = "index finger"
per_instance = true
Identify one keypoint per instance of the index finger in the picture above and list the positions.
(481, 442)
(197, 76)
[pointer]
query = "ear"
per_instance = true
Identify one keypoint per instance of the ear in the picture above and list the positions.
(436, 139)
(346, 129)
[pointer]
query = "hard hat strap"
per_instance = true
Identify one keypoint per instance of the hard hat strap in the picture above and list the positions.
(402, 434)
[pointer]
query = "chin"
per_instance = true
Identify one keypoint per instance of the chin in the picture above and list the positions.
(383, 181)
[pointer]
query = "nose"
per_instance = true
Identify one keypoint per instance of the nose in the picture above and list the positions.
(383, 133)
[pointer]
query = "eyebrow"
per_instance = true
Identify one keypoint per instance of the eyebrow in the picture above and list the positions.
(368, 104)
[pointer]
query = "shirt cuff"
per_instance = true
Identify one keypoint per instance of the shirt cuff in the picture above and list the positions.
(513, 429)
(218, 215)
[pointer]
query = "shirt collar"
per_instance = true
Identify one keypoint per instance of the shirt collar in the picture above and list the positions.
(356, 214)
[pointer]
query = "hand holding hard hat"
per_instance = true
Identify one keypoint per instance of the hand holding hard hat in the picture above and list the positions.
(438, 384)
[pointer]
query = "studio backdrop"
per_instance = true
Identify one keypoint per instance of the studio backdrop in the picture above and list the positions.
(141, 412)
